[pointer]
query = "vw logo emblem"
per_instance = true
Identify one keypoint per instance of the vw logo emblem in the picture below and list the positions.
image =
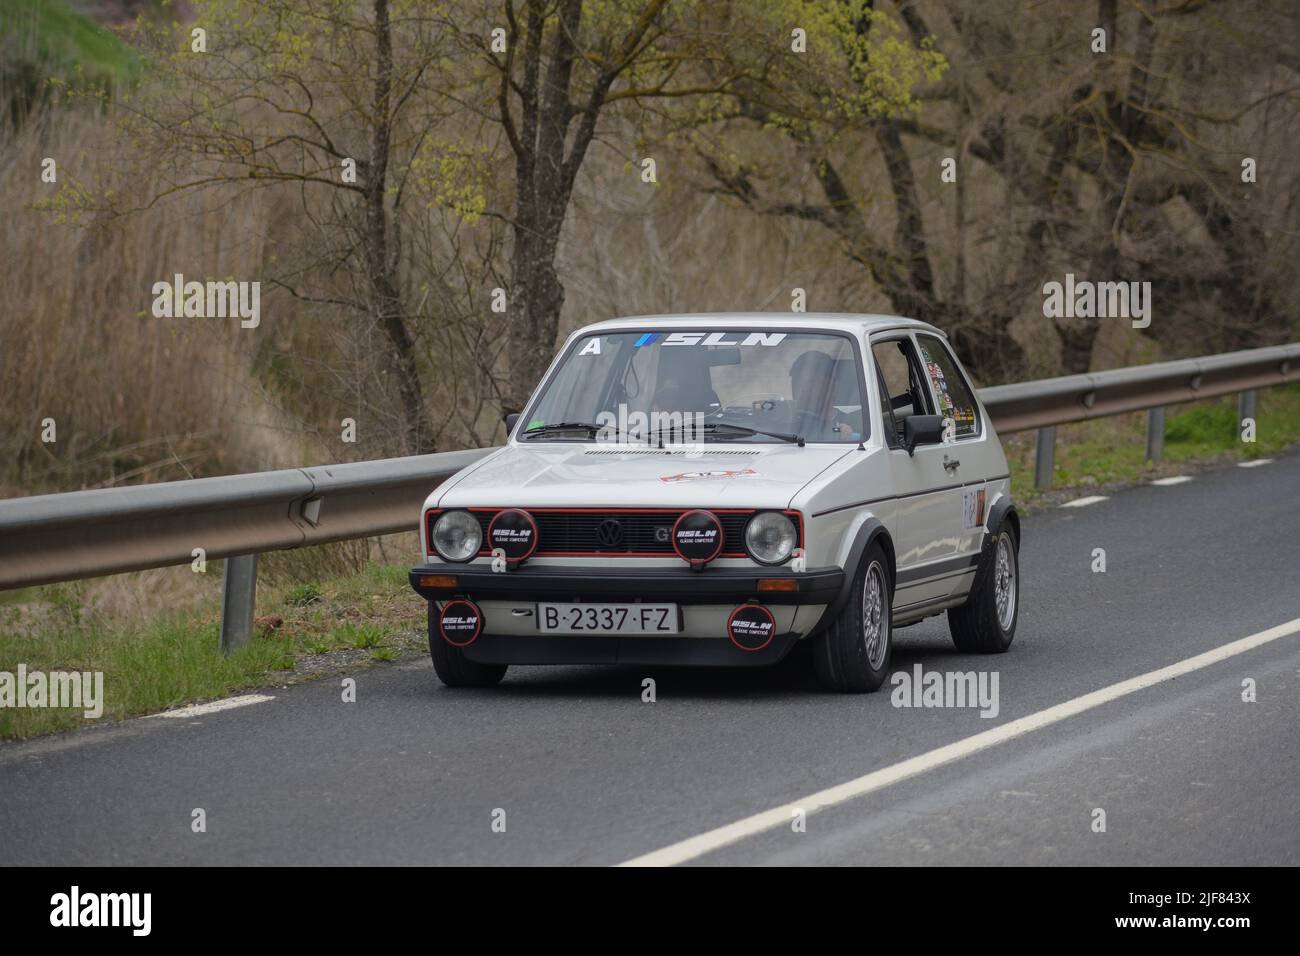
(610, 533)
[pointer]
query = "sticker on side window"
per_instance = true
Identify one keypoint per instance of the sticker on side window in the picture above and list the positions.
(972, 501)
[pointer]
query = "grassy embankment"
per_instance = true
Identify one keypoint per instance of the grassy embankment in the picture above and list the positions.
(304, 630)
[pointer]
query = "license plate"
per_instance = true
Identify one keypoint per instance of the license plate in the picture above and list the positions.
(607, 618)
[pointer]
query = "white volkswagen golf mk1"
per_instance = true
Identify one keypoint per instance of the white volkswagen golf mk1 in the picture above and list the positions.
(712, 489)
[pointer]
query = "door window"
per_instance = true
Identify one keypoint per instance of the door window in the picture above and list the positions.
(901, 377)
(955, 398)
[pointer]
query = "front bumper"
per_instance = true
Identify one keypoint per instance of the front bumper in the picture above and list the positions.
(649, 651)
(678, 585)
(703, 596)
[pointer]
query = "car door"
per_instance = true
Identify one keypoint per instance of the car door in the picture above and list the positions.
(973, 459)
(927, 496)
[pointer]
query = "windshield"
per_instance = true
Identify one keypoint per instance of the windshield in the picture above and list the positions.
(702, 385)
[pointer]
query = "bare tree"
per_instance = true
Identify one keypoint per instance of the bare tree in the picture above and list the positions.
(336, 104)
(1084, 159)
(562, 66)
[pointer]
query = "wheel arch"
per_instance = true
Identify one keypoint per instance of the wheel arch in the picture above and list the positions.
(871, 530)
(1004, 510)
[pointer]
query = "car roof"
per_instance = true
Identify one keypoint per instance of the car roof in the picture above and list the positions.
(857, 322)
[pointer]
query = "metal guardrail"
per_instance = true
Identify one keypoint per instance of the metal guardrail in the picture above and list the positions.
(84, 534)
(1076, 398)
(80, 534)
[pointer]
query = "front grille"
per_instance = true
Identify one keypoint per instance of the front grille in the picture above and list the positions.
(578, 532)
(562, 531)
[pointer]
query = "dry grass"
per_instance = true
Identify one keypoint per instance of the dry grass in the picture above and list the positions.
(133, 397)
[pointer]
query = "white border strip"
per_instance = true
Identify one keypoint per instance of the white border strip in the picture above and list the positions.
(698, 846)
(212, 707)
(1084, 501)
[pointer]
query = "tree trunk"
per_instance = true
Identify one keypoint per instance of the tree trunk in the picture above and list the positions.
(382, 262)
(544, 186)
(538, 299)
(984, 342)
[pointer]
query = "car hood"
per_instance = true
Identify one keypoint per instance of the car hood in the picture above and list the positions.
(595, 475)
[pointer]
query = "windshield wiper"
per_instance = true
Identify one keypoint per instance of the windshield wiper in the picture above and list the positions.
(592, 429)
(709, 428)
(746, 430)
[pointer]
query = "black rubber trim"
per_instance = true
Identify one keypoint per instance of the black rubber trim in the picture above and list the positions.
(668, 651)
(937, 569)
(712, 585)
(997, 514)
(947, 577)
(927, 608)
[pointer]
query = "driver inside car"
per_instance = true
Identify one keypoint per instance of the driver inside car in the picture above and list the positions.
(679, 410)
(812, 383)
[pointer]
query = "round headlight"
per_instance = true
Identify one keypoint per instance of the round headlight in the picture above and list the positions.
(770, 537)
(457, 536)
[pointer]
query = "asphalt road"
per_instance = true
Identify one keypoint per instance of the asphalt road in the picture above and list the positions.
(586, 773)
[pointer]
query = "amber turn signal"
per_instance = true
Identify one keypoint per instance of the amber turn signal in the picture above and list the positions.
(778, 584)
(437, 580)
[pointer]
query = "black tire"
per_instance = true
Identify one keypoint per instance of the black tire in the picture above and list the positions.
(845, 657)
(452, 666)
(982, 625)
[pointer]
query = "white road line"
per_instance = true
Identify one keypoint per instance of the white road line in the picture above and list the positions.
(1254, 463)
(199, 710)
(698, 846)
(1083, 502)
(1174, 480)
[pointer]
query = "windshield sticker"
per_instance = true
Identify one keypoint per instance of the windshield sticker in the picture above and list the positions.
(703, 475)
(709, 338)
(947, 407)
(535, 423)
(592, 347)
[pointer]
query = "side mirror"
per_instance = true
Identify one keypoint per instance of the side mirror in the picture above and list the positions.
(511, 419)
(922, 430)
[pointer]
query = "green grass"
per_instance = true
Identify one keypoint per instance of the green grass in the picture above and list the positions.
(176, 660)
(146, 670)
(45, 41)
(360, 637)
(1112, 451)
(300, 595)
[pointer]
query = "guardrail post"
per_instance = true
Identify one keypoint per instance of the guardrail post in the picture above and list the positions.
(1045, 456)
(1245, 407)
(239, 591)
(1156, 434)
